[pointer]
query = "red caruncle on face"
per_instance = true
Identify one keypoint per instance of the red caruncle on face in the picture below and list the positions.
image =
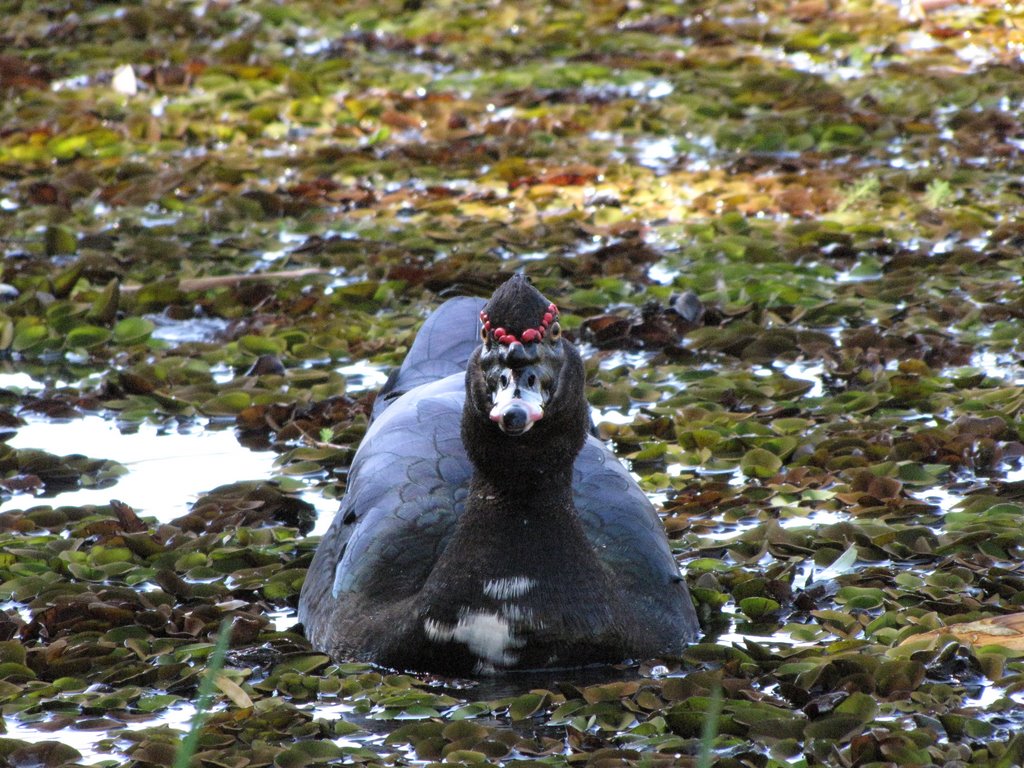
(505, 337)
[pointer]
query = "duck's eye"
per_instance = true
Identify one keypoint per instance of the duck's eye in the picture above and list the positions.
(555, 332)
(531, 381)
(503, 380)
(483, 334)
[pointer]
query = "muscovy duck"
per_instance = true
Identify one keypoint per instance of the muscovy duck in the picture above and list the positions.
(483, 529)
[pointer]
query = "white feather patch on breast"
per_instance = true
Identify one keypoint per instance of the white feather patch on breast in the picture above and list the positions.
(507, 588)
(487, 635)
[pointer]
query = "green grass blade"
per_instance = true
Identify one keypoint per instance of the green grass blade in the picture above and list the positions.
(188, 747)
(710, 730)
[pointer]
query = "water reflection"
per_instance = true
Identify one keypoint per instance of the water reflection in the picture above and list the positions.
(87, 740)
(196, 329)
(167, 470)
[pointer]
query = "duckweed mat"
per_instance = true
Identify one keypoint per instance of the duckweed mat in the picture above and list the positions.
(788, 236)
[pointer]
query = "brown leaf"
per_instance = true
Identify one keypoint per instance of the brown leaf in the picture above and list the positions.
(21, 483)
(130, 522)
(1004, 631)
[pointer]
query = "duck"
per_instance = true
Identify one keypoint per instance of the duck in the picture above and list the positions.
(484, 530)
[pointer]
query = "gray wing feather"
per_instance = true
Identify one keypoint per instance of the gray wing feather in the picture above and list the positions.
(441, 348)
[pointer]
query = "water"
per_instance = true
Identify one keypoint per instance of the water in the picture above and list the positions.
(193, 330)
(167, 470)
(86, 740)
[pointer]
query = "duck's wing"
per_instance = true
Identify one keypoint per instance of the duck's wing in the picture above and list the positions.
(406, 490)
(441, 348)
(628, 535)
(408, 480)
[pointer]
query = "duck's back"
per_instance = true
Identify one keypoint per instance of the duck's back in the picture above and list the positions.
(441, 348)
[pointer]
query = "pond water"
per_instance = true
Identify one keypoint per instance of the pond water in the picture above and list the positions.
(841, 435)
(88, 741)
(167, 469)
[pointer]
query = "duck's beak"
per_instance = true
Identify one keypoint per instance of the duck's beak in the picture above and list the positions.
(518, 400)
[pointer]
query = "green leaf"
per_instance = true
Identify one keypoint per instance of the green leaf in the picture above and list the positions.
(86, 337)
(12, 651)
(759, 608)
(60, 240)
(133, 330)
(760, 463)
(229, 403)
(105, 305)
(262, 345)
(842, 564)
(157, 702)
(28, 335)
(526, 705)
(65, 281)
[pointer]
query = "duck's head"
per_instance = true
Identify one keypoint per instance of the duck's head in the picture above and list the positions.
(525, 381)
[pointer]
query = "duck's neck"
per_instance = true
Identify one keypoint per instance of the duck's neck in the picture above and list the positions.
(522, 486)
(542, 498)
(531, 535)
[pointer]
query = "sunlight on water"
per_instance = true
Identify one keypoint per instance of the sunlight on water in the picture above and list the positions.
(656, 153)
(811, 372)
(1002, 366)
(815, 518)
(984, 696)
(362, 376)
(943, 498)
(86, 741)
(166, 470)
(194, 329)
(612, 415)
(662, 274)
(19, 382)
(738, 638)
(283, 620)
